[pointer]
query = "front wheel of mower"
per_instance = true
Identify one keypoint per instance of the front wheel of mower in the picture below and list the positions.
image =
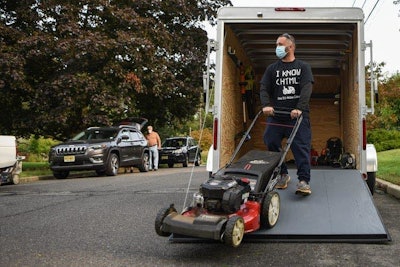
(161, 215)
(234, 231)
(270, 210)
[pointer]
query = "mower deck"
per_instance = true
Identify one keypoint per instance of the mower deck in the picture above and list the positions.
(340, 209)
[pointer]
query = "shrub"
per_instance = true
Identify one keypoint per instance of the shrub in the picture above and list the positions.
(35, 149)
(384, 139)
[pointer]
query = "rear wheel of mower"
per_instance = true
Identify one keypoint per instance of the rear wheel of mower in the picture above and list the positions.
(270, 210)
(161, 215)
(234, 231)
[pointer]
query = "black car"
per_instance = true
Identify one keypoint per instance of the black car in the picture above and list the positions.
(102, 149)
(180, 150)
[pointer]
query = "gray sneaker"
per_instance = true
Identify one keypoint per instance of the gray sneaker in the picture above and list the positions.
(283, 181)
(303, 188)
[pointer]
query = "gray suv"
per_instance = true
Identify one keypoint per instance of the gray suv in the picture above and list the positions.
(102, 149)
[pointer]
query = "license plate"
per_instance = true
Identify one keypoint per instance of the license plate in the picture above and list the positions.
(164, 157)
(70, 158)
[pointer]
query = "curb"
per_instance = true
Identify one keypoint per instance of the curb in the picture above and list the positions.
(34, 178)
(389, 188)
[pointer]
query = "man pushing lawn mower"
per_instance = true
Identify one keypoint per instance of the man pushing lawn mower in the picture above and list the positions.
(287, 83)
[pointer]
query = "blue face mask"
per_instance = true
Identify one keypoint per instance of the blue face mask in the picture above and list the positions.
(280, 51)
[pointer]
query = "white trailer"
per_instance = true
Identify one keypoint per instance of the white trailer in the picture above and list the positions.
(331, 40)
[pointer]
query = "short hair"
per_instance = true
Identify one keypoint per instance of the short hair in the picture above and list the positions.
(288, 36)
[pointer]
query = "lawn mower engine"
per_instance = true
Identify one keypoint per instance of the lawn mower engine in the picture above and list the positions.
(224, 194)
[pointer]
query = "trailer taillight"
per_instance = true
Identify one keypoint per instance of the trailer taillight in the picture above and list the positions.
(215, 142)
(364, 134)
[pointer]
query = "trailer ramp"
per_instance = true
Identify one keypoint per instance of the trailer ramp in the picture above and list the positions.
(340, 209)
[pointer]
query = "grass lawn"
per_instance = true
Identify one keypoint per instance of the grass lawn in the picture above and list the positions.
(35, 169)
(389, 166)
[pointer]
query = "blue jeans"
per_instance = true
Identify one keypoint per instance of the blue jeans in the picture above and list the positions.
(301, 145)
(153, 157)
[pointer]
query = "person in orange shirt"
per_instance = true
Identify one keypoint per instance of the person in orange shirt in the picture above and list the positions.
(154, 143)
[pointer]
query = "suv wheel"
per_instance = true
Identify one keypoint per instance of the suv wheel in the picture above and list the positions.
(144, 165)
(112, 165)
(198, 160)
(61, 175)
(100, 172)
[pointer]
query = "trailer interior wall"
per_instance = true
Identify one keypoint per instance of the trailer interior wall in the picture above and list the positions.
(335, 101)
(232, 115)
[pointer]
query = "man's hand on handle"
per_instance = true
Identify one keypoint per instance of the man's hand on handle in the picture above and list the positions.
(295, 113)
(269, 111)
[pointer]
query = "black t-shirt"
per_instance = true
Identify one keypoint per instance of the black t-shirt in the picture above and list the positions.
(287, 85)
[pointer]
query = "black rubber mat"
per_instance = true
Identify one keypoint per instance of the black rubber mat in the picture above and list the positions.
(340, 209)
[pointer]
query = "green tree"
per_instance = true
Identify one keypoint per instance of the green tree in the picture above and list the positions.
(387, 110)
(66, 65)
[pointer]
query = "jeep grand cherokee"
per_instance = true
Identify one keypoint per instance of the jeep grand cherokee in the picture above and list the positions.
(102, 149)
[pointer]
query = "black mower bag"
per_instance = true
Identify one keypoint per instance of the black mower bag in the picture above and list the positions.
(228, 189)
(255, 165)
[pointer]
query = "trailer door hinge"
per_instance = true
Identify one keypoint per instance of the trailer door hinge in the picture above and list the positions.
(365, 45)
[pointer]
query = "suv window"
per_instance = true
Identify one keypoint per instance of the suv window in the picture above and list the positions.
(96, 134)
(135, 136)
(125, 132)
(192, 142)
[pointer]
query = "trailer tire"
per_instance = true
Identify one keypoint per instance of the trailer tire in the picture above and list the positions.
(234, 231)
(371, 180)
(270, 210)
(161, 215)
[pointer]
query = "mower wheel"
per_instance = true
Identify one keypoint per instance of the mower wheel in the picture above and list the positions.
(161, 215)
(270, 210)
(234, 231)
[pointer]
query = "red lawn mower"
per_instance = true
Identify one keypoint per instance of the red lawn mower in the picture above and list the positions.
(240, 198)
